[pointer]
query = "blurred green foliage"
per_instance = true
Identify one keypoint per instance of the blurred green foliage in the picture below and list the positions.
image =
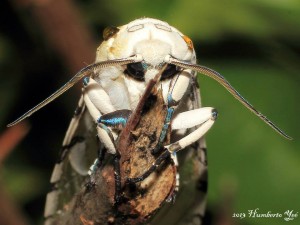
(254, 44)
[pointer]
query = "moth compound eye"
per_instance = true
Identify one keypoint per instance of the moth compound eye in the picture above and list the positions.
(135, 70)
(170, 71)
(109, 32)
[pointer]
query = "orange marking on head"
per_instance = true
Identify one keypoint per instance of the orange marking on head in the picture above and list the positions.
(188, 41)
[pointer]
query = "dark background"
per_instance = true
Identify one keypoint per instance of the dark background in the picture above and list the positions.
(254, 44)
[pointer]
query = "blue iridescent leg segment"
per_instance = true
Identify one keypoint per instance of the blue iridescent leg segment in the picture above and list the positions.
(116, 119)
(171, 107)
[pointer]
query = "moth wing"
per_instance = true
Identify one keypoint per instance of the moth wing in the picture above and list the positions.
(195, 155)
(200, 147)
(201, 144)
(194, 183)
(70, 172)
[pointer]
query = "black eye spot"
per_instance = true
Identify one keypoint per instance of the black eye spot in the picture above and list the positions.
(108, 32)
(135, 70)
(170, 71)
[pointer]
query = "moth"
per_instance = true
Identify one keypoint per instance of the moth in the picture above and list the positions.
(131, 57)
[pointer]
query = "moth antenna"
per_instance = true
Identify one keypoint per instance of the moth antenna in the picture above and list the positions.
(221, 80)
(83, 72)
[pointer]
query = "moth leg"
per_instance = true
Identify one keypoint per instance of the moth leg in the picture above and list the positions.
(203, 117)
(175, 93)
(117, 173)
(115, 120)
(97, 96)
(175, 160)
(91, 94)
(108, 120)
(103, 112)
(97, 103)
(97, 164)
(165, 155)
(172, 196)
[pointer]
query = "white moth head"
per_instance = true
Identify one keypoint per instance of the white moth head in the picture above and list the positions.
(153, 40)
(140, 36)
